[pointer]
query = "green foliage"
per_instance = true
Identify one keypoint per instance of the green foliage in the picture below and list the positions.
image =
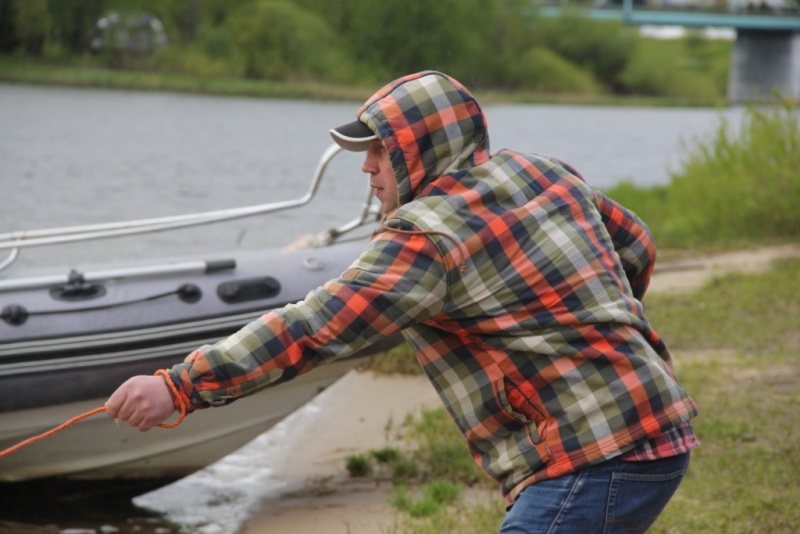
(281, 41)
(72, 22)
(441, 454)
(503, 44)
(398, 36)
(744, 186)
(193, 61)
(541, 69)
(604, 48)
(404, 470)
(397, 360)
(464, 516)
(434, 496)
(691, 67)
(387, 455)
(217, 42)
(25, 24)
(735, 188)
(359, 466)
(443, 451)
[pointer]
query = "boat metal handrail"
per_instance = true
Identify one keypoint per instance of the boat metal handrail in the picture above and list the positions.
(52, 236)
(76, 277)
(14, 241)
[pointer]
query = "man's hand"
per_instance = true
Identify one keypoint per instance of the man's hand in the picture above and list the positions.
(142, 401)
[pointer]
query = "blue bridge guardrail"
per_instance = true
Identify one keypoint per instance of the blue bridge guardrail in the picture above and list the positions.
(739, 15)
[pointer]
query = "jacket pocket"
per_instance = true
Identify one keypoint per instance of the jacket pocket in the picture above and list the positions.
(519, 406)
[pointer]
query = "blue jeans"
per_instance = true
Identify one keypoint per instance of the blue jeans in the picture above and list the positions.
(609, 498)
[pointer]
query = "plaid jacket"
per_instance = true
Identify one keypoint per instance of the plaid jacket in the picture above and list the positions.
(518, 285)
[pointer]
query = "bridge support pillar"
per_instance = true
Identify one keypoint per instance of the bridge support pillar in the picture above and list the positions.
(764, 61)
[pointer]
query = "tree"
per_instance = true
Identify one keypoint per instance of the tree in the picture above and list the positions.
(280, 41)
(27, 23)
(604, 47)
(402, 36)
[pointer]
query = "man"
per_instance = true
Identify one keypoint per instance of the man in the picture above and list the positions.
(519, 287)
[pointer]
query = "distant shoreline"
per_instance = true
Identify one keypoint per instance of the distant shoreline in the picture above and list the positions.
(26, 71)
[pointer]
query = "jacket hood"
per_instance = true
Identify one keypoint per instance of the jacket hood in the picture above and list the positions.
(430, 125)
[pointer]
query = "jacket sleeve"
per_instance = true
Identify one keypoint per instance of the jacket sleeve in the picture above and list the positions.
(397, 279)
(632, 240)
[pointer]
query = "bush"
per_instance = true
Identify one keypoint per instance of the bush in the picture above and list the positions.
(395, 37)
(541, 69)
(359, 466)
(192, 60)
(602, 47)
(733, 189)
(676, 68)
(280, 41)
(744, 186)
(31, 24)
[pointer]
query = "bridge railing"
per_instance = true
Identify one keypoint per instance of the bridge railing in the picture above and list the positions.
(777, 15)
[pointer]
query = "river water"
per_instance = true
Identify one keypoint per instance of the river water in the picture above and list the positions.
(81, 156)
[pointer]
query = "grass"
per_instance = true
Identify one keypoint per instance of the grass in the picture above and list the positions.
(89, 73)
(737, 346)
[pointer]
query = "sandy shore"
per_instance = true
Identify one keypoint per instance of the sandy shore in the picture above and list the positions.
(322, 499)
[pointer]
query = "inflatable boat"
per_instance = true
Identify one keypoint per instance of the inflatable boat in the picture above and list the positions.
(69, 337)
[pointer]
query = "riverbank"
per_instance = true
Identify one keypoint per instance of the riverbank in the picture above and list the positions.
(88, 73)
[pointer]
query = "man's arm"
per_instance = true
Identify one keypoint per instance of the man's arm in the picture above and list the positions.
(632, 240)
(398, 279)
(631, 237)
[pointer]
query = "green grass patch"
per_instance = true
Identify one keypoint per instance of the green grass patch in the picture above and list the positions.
(397, 360)
(737, 350)
(433, 497)
(359, 465)
(729, 305)
(88, 72)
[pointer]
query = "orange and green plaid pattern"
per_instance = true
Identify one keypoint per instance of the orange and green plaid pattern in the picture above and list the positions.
(518, 285)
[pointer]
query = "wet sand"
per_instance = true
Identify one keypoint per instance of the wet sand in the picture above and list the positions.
(365, 414)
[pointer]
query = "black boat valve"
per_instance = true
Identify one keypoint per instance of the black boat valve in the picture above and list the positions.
(77, 288)
(190, 293)
(14, 314)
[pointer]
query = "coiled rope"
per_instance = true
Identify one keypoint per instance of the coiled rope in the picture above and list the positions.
(161, 372)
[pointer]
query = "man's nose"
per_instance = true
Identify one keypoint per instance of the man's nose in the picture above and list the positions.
(368, 166)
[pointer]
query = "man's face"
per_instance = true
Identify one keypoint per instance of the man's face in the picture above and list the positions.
(381, 175)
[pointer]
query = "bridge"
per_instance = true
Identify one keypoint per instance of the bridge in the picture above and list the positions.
(766, 53)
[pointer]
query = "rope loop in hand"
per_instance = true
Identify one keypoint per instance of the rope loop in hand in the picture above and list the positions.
(179, 401)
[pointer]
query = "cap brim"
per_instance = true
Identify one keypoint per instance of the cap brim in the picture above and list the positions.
(354, 136)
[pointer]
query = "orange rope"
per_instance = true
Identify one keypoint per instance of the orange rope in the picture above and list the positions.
(49, 433)
(178, 400)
